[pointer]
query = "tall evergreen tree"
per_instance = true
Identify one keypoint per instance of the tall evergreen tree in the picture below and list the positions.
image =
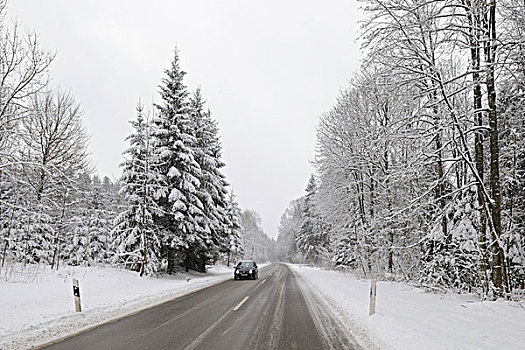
(311, 240)
(214, 238)
(136, 236)
(98, 223)
(235, 248)
(177, 171)
(78, 239)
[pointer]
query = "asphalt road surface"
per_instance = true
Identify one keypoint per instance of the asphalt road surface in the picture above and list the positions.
(277, 311)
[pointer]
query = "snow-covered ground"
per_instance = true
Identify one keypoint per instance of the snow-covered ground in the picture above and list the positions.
(37, 306)
(409, 318)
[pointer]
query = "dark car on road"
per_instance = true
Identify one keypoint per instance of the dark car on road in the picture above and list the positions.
(246, 269)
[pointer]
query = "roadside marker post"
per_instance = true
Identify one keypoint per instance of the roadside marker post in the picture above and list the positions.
(372, 309)
(76, 295)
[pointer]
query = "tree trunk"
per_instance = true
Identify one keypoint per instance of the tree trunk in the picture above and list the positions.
(7, 235)
(55, 251)
(202, 264)
(385, 123)
(171, 261)
(499, 278)
(59, 229)
(188, 261)
(88, 239)
(475, 57)
(143, 228)
(440, 188)
(372, 197)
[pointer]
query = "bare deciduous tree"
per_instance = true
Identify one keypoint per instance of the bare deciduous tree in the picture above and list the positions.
(23, 72)
(54, 148)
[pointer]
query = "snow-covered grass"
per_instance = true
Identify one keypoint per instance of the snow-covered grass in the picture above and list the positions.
(37, 306)
(410, 318)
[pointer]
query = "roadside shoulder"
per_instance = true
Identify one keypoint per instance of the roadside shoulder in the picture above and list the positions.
(318, 301)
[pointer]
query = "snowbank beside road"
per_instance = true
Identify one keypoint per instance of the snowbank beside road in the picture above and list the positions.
(37, 306)
(408, 318)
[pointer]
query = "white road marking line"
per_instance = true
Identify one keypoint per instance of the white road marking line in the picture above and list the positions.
(263, 281)
(204, 334)
(240, 304)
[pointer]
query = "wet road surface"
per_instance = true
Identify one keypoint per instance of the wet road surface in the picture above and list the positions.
(276, 311)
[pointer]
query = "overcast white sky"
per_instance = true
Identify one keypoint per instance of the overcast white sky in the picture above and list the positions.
(268, 70)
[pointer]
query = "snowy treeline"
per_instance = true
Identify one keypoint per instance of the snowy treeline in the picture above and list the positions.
(421, 162)
(257, 245)
(302, 235)
(43, 160)
(178, 212)
(51, 209)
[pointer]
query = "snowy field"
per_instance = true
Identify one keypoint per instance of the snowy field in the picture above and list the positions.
(409, 318)
(36, 305)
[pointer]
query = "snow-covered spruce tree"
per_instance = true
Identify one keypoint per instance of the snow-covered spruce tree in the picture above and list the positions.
(73, 247)
(112, 203)
(136, 242)
(37, 234)
(215, 238)
(99, 223)
(235, 249)
(451, 260)
(177, 172)
(311, 240)
(15, 198)
(8, 191)
(68, 203)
